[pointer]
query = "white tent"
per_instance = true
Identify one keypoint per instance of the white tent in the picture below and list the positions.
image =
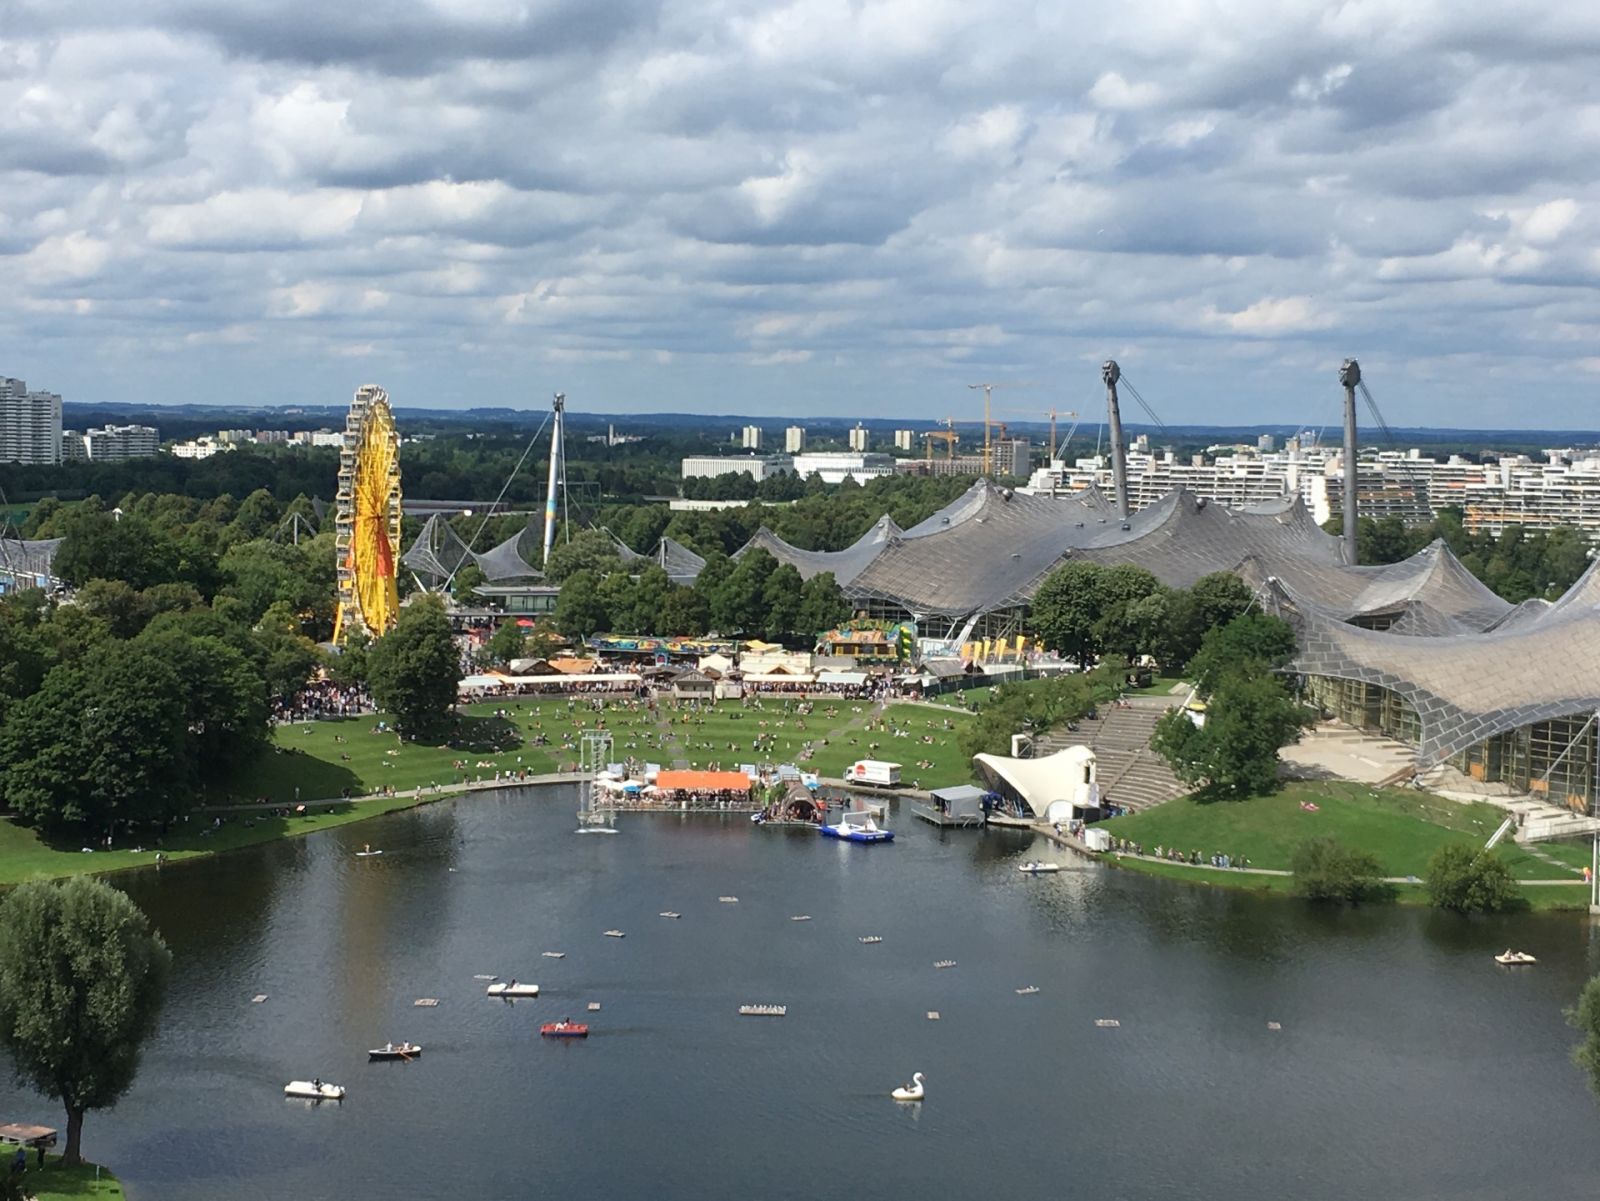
(1067, 776)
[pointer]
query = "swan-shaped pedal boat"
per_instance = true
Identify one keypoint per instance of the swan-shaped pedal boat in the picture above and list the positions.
(909, 1092)
(1515, 958)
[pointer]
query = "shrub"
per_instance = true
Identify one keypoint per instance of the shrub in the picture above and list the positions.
(1469, 880)
(1327, 870)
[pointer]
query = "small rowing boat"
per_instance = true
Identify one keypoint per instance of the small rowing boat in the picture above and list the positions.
(1515, 958)
(764, 1011)
(871, 939)
(564, 1029)
(801, 917)
(1028, 991)
(668, 913)
(554, 954)
(512, 989)
(406, 1051)
(615, 934)
(944, 963)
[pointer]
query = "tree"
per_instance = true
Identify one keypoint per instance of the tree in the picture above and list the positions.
(1585, 1017)
(101, 743)
(1469, 879)
(347, 666)
(505, 644)
(579, 609)
(684, 614)
(415, 669)
(1254, 641)
(740, 603)
(589, 550)
(780, 598)
(1327, 870)
(1235, 753)
(285, 657)
(468, 577)
(1065, 609)
(97, 546)
(82, 978)
(822, 605)
(224, 699)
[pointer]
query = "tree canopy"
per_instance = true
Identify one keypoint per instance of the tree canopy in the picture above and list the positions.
(1468, 879)
(414, 669)
(82, 978)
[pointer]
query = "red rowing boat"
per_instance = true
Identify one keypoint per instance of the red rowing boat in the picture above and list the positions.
(564, 1030)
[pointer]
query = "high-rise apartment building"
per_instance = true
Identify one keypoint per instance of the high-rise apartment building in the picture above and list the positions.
(121, 442)
(794, 439)
(858, 439)
(750, 437)
(905, 439)
(30, 424)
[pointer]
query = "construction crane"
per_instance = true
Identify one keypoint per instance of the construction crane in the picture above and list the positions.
(947, 435)
(1061, 451)
(988, 390)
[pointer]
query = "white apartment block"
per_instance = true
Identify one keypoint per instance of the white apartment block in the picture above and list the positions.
(858, 439)
(30, 424)
(837, 466)
(1564, 490)
(115, 442)
(73, 447)
(905, 439)
(794, 439)
(760, 467)
(200, 448)
(750, 437)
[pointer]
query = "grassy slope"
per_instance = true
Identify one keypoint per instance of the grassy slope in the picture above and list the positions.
(57, 1183)
(311, 758)
(1401, 828)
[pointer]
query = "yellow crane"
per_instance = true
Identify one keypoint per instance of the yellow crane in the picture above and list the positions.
(947, 435)
(988, 390)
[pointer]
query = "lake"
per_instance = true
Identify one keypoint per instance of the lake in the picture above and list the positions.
(1408, 1064)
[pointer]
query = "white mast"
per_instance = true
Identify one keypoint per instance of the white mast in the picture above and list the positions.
(557, 472)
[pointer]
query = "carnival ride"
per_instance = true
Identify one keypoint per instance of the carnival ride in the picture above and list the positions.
(367, 519)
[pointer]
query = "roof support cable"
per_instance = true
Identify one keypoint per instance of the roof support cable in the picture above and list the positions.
(504, 488)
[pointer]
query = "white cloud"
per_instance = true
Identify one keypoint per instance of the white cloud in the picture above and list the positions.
(629, 193)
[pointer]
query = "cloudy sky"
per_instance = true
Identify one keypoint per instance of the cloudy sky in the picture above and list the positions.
(831, 207)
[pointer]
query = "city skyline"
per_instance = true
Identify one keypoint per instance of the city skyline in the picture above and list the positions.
(810, 210)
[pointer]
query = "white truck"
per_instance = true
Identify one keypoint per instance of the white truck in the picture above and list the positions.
(878, 772)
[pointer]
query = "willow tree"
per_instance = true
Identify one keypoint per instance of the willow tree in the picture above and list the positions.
(82, 977)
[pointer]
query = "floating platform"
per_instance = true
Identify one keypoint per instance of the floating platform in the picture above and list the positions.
(669, 913)
(729, 900)
(554, 954)
(425, 1003)
(594, 1006)
(563, 1030)
(933, 1015)
(1274, 1025)
(801, 917)
(258, 998)
(1107, 1022)
(848, 833)
(947, 821)
(871, 940)
(943, 963)
(615, 934)
(764, 1011)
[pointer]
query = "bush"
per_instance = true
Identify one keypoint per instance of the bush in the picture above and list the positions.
(1327, 870)
(1468, 880)
(1585, 1017)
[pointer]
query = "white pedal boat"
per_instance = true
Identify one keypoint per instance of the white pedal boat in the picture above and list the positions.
(513, 989)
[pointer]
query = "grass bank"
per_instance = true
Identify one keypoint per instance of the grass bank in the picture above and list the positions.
(313, 762)
(56, 1182)
(1400, 828)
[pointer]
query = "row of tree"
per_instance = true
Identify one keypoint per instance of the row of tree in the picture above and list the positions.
(1517, 564)
(754, 596)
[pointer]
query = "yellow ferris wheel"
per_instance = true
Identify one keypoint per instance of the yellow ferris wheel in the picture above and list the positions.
(367, 519)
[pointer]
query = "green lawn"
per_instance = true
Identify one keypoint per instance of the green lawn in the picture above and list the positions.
(323, 761)
(1401, 828)
(56, 1182)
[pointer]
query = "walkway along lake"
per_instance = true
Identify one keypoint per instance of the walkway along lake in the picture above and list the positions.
(1407, 1064)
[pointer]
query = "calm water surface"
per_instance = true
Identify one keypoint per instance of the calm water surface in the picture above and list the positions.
(1408, 1064)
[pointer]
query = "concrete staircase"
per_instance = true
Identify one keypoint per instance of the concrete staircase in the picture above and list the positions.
(1129, 772)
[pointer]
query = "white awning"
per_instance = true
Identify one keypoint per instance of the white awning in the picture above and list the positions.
(468, 683)
(1067, 775)
(847, 679)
